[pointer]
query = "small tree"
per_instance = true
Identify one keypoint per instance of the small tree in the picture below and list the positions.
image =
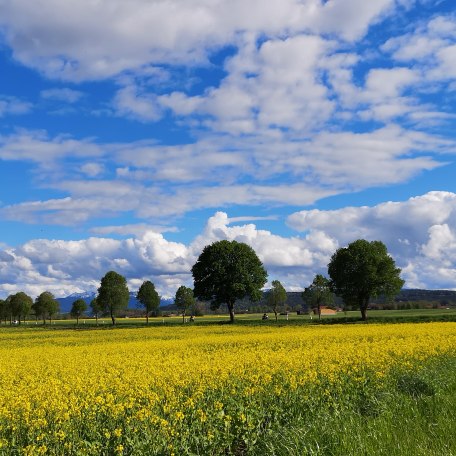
(363, 270)
(276, 297)
(148, 297)
(113, 294)
(45, 305)
(318, 293)
(226, 271)
(4, 310)
(184, 300)
(96, 309)
(78, 308)
(21, 305)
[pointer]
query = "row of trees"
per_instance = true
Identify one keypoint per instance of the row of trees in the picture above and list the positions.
(18, 306)
(226, 271)
(229, 270)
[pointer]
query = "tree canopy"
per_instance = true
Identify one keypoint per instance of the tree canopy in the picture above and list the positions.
(363, 270)
(184, 300)
(20, 305)
(276, 296)
(226, 271)
(45, 305)
(318, 293)
(148, 297)
(78, 308)
(113, 294)
(96, 308)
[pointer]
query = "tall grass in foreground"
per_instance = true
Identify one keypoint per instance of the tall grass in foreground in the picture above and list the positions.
(333, 390)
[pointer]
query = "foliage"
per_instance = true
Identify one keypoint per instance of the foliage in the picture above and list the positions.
(20, 305)
(232, 390)
(363, 270)
(276, 297)
(45, 305)
(147, 295)
(226, 271)
(113, 294)
(78, 308)
(318, 293)
(184, 300)
(96, 308)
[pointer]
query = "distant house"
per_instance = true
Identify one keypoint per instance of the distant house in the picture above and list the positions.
(325, 311)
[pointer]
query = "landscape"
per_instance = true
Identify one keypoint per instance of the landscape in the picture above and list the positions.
(227, 227)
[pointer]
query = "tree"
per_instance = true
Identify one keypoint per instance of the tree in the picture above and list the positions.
(113, 294)
(96, 309)
(78, 308)
(147, 295)
(7, 311)
(45, 305)
(4, 310)
(318, 293)
(226, 271)
(276, 297)
(21, 305)
(184, 300)
(363, 270)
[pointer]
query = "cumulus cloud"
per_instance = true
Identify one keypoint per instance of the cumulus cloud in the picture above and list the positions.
(68, 40)
(64, 267)
(419, 234)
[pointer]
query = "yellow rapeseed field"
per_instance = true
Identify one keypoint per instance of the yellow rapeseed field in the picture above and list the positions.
(187, 390)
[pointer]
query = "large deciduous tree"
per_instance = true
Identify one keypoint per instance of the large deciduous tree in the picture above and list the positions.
(78, 308)
(318, 293)
(363, 270)
(46, 305)
(113, 294)
(184, 300)
(226, 271)
(21, 305)
(276, 297)
(148, 297)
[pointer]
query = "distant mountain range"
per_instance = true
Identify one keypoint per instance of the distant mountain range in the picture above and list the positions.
(87, 296)
(293, 298)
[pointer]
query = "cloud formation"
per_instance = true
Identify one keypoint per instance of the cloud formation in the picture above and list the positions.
(419, 234)
(67, 40)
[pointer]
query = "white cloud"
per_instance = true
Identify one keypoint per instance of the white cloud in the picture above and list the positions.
(129, 102)
(13, 106)
(68, 40)
(64, 94)
(155, 181)
(419, 233)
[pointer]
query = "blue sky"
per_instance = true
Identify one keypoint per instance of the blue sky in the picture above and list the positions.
(134, 133)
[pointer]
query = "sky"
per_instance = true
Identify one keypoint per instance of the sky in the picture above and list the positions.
(132, 134)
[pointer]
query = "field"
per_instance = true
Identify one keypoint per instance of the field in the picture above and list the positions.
(229, 389)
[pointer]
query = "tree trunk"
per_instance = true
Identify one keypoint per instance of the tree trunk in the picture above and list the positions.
(231, 310)
(96, 319)
(113, 318)
(183, 317)
(44, 319)
(275, 314)
(147, 317)
(77, 321)
(319, 312)
(363, 308)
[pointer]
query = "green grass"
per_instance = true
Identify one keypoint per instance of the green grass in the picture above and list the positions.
(374, 316)
(413, 414)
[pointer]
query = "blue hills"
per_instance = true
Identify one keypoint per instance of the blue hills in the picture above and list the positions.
(67, 301)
